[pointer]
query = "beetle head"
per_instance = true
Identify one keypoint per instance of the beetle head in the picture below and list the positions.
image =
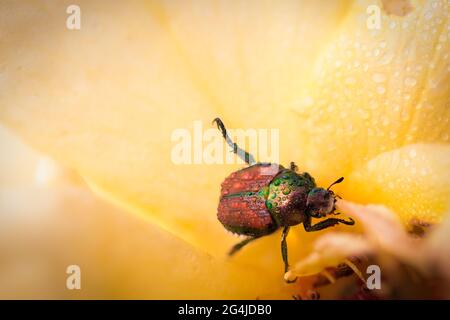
(321, 202)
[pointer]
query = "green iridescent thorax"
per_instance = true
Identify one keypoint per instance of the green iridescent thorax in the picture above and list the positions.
(287, 195)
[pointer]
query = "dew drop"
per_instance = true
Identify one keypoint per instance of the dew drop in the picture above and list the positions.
(381, 90)
(410, 82)
(392, 24)
(386, 59)
(350, 80)
(412, 153)
(378, 77)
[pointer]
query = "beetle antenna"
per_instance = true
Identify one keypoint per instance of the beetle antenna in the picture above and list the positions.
(336, 182)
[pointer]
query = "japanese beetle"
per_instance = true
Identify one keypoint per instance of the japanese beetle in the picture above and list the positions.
(263, 197)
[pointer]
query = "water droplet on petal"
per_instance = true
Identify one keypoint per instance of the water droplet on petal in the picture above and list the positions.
(378, 77)
(410, 82)
(381, 90)
(350, 80)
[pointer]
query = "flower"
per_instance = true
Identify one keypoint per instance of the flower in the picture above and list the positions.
(367, 104)
(395, 249)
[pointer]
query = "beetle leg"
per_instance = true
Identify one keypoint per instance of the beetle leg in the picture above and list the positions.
(238, 246)
(244, 155)
(325, 224)
(284, 252)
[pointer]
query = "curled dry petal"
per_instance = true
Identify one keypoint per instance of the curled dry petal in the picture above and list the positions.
(382, 233)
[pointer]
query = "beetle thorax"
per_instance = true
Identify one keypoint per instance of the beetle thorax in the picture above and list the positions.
(287, 196)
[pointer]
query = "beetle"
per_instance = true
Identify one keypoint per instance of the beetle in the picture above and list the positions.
(263, 197)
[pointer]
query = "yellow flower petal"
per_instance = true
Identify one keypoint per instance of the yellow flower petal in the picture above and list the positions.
(45, 227)
(105, 99)
(376, 90)
(413, 181)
